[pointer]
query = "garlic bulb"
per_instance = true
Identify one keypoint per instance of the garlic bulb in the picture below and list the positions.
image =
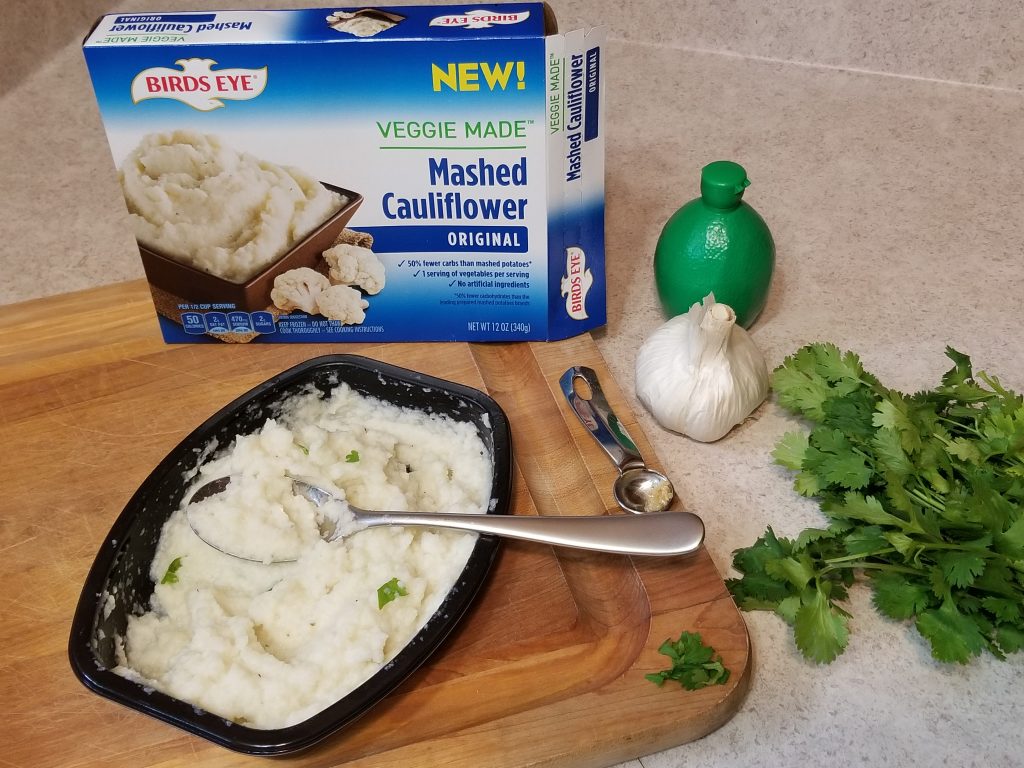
(700, 374)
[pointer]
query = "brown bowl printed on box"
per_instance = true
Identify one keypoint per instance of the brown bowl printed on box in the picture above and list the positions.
(194, 285)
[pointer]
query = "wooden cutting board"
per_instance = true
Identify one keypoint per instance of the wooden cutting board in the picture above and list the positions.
(548, 667)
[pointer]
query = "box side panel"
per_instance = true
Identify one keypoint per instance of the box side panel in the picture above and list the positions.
(575, 124)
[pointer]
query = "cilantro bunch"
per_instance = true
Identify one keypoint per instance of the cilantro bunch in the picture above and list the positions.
(924, 495)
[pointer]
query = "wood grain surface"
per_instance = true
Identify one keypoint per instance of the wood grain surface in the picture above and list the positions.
(548, 667)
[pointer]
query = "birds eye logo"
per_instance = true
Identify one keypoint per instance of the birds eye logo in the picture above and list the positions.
(479, 19)
(198, 84)
(576, 283)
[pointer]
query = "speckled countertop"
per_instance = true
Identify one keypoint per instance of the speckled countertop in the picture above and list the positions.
(886, 152)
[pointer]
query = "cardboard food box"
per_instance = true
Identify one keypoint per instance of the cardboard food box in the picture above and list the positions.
(389, 174)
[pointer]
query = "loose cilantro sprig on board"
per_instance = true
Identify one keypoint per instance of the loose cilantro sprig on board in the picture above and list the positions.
(694, 665)
(924, 495)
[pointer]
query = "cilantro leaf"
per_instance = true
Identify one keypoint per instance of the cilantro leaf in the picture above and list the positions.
(757, 589)
(798, 571)
(890, 454)
(965, 450)
(1009, 638)
(894, 413)
(866, 540)
(810, 535)
(171, 574)
(848, 471)
(389, 591)
(961, 568)
(865, 509)
(821, 631)
(852, 415)
(898, 597)
(961, 371)
(905, 545)
(838, 367)
(800, 391)
(807, 483)
(833, 458)
(953, 636)
(1011, 541)
(694, 664)
(788, 608)
(1003, 609)
(768, 547)
(791, 450)
(352, 456)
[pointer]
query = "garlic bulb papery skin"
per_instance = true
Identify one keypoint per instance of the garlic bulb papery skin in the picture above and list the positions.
(700, 374)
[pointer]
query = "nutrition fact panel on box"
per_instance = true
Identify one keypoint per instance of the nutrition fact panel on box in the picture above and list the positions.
(196, 323)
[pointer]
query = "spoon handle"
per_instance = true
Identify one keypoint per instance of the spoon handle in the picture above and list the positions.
(597, 416)
(657, 533)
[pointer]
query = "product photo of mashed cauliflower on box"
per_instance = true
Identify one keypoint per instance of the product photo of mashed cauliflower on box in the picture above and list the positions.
(353, 174)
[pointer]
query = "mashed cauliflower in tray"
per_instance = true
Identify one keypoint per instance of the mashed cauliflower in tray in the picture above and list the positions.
(270, 645)
(228, 213)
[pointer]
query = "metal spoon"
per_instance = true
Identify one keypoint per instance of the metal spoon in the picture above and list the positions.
(668, 533)
(638, 489)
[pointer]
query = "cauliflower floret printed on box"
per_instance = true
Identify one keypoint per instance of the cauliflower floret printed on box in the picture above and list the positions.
(355, 265)
(343, 304)
(351, 271)
(299, 289)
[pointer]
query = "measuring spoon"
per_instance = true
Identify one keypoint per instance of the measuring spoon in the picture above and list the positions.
(638, 488)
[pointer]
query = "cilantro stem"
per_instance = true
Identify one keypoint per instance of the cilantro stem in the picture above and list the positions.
(860, 555)
(976, 549)
(997, 388)
(959, 425)
(867, 565)
(921, 496)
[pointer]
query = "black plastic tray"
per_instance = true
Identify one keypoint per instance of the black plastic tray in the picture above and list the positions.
(122, 565)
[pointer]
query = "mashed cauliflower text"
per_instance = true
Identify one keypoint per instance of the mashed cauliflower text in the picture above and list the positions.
(271, 645)
(225, 212)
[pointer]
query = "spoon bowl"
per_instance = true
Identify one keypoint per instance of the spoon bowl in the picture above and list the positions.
(642, 490)
(654, 534)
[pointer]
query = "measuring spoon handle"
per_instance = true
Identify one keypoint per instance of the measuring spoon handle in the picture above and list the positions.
(596, 415)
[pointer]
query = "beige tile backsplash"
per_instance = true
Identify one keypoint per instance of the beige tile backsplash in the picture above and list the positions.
(979, 42)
